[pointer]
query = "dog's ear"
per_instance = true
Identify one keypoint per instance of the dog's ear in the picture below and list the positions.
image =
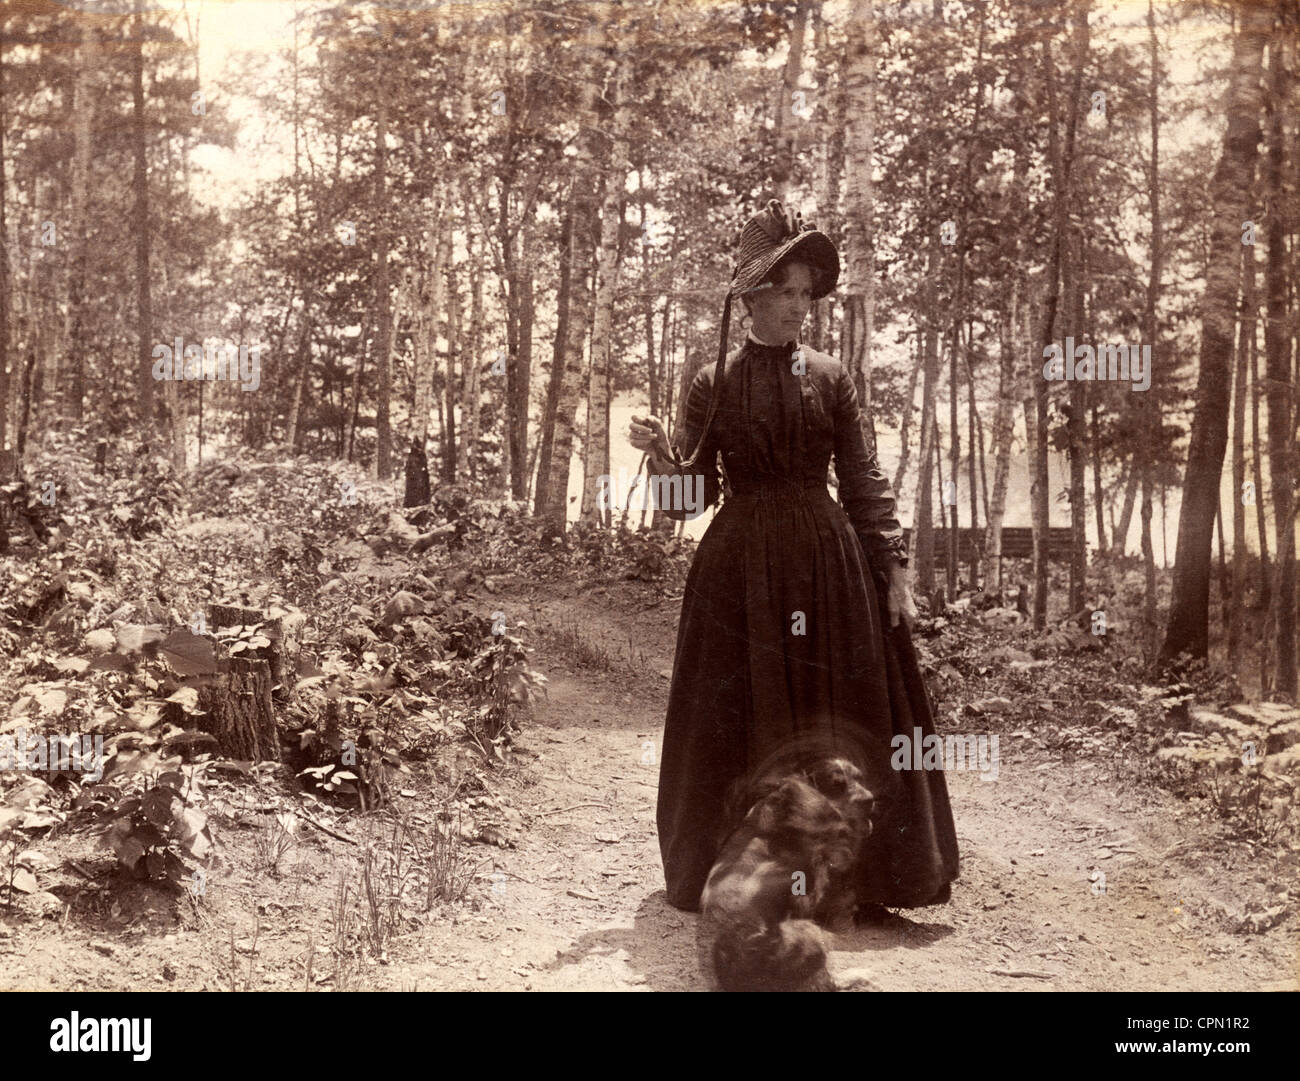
(776, 809)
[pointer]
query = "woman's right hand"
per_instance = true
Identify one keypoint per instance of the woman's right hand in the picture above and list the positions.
(647, 435)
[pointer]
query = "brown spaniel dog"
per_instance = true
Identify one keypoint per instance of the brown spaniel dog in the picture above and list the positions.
(794, 830)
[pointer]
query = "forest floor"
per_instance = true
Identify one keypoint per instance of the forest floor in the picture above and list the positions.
(1077, 871)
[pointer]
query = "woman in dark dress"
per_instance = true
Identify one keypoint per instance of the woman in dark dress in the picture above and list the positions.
(781, 629)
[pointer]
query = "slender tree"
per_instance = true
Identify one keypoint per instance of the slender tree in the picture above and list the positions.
(1188, 626)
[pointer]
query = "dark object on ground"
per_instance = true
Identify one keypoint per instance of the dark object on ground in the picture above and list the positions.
(417, 476)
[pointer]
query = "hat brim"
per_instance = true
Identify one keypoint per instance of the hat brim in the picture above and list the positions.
(810, 246)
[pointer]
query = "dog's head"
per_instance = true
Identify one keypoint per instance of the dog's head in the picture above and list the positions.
(796, 816)
(841, 782)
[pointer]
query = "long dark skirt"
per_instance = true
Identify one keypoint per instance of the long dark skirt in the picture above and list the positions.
(781, 632)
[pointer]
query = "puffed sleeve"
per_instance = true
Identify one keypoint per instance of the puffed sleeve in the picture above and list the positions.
(688, 434)
(864, 489)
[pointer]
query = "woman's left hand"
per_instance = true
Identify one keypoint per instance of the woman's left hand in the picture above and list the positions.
(899, 601)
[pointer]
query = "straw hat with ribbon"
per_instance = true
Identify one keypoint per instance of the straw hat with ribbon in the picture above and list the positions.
(769, 238)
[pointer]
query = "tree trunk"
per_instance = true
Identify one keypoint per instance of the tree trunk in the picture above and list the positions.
(1150, 442)
(520, 465)
(302, 373)
(859, 82)
(1040, 496)
(1003, 431)
(1098, 501)
(1282, 614)
(786, 118)
(5, 284)
(451, 387)
(1265, 591)
(584, 213)
(1119, 530)
(357, 385)
(830, 158)
(1014, 346)
(1073, 273)
(541, 492)
(383, 302)
(954, 452)
(430, 292)
(595, 451)
(972, 416)
(1239, 498)
(1188, 627)
(958, 318)
(469, 445)
(923, 526)
(84, 98)
(140, 223)
(909, 408)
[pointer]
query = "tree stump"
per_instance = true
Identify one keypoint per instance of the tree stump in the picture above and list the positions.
(286, 630)
(282, 626)
(237, 704)
(238, 710)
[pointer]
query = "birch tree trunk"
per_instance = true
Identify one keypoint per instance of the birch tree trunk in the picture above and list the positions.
(1003, 430)
(451, 384)
(595, 456)
(583, 211)
(859, 82)
(541, 490)
(83, 104)
(472, 361)
(1014, 343)
(383, 464)
(140, 225)
(830, 158)
(520, 463)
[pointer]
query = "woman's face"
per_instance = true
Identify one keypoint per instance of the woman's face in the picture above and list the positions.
(780, 309)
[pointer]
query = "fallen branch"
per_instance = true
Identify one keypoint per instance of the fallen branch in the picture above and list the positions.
(576, 806)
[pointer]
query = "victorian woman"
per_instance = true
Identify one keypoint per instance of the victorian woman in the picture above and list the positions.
(796, 614)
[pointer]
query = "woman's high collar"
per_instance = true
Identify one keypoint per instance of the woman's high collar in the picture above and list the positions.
(752, 337)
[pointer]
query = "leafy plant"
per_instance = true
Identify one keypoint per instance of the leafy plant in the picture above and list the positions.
(156, 833)
(495, 668)
(238, 638)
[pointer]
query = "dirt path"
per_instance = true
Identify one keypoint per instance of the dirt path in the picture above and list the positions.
(582, 904)
(578, 902)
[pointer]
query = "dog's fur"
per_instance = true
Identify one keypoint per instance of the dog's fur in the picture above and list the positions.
(805, 809)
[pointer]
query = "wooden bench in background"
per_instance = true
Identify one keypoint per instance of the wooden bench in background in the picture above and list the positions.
(1017, 543)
